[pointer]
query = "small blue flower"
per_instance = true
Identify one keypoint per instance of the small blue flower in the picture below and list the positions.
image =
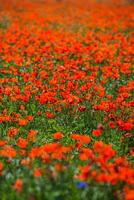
(82, 185)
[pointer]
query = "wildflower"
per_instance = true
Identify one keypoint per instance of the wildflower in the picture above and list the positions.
(132, 151)
(37, 172)
(82, 108)
(97, 132)
(82, 185)
(22, 143)
(83, 139)
(32, 135)
(22, 122)
(112, 125)
(58, 135)
(129, 193)
(1, 166)
(2, 143)
(18, 185)
(22, 107)
(8, 151)
(29, 118)
(25, 162)
(84, 173)
(12, 132)
(50, 115)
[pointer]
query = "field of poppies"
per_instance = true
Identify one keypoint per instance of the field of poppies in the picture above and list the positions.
(66, 100)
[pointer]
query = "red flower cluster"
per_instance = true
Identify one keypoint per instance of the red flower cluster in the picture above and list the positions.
(66, 81)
